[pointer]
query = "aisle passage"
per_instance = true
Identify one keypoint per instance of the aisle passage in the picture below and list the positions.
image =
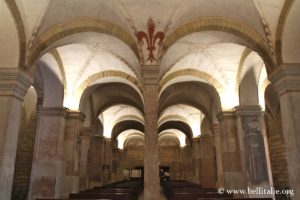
(161, 195)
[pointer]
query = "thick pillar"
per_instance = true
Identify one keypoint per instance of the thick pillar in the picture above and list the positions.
(286, 80)
(121, 164)
(189, 163)
(107, 161)
(48, 159)
(72, 151)
(234, 176)
(196, 159)
(13, 88)
(114, 164)
(208, 171)
(217, 135)
(96, 161)
(85, 135)
(151, 156)
(254, 146)
(182, 164)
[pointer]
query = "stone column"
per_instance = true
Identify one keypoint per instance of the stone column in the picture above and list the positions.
(254, 148)
(286, 80)
(218, 142)
(189, 163)
(72, 147)
(85, 135)
(234, 176)
(151, 159)
(208, 171)
(13, 88)
(96, 161)
(114, 164)
(107, 161)
(182, 163)
(196, 159)
(48, 159)
(121, 164)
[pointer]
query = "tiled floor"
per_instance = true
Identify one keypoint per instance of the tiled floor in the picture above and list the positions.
(161, 196)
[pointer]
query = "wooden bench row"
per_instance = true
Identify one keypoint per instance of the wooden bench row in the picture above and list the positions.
(183, 190)
(124, 190)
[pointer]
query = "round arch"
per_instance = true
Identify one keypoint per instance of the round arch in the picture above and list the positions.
(102, 96)
(250, 37)
(78, 25)
(196, 94)
(179, 125)
(126, 125)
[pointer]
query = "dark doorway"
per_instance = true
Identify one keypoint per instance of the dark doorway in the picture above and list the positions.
(164, 173)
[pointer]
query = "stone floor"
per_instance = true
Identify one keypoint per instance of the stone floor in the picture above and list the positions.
(161, 195)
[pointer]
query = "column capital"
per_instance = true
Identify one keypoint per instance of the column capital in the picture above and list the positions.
(75, 115)
(86, 132)
(248, 111)
(226, 115)
(97, 138)
(107, 139)
(14, 82)
(53, 111)
(196, 139)
(150, 74)
(286, 78)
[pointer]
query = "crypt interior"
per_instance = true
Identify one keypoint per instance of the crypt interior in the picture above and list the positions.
(91, 89)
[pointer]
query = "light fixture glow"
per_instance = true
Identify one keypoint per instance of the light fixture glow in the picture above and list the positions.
(71, 102)
(229, 99)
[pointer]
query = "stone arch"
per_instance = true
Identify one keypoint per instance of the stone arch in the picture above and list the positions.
(126, 125)
(272, 102)
(280, 28)
(52, 87)
(168, 136)
(11, 44)
(78, 25)
(171, 118)
(60, 65)
(134, 136)
(109, 94)
(251, 38)
(108, 73)
(205, 127)
(195, 73)
(248, 90)
(197, 94)
(20, 29)
(179, 125)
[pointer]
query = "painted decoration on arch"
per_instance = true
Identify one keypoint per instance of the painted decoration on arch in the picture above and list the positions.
(150, 42)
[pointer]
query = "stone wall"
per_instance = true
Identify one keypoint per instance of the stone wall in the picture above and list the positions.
(207, 162)
(169, 156)
(134, 157)
(24, 156)
(95, 161)
(277, 152)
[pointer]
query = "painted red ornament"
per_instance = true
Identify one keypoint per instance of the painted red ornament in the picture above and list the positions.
(150, 39)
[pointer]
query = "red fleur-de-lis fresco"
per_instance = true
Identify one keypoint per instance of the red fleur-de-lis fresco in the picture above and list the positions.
(150, 39)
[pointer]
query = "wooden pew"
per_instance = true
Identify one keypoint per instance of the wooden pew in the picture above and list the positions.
(183, 190)
(123, 190)
(112, 196)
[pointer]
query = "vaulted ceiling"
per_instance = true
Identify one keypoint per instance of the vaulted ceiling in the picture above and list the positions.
(84, 45)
